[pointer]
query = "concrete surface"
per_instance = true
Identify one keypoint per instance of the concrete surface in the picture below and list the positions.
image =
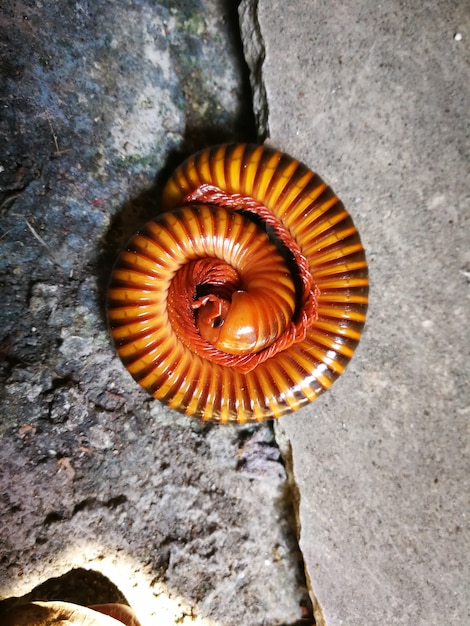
(375, 97)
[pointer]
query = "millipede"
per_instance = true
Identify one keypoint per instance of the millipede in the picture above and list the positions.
(245, 298)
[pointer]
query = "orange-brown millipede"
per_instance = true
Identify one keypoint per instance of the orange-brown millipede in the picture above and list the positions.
(246, 298)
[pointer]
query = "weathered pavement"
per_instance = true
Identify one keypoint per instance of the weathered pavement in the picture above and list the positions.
(376, 99)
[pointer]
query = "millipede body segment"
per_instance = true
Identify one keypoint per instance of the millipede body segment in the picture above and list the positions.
(246, 297)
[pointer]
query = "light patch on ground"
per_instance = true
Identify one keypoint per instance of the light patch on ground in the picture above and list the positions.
(136, 131)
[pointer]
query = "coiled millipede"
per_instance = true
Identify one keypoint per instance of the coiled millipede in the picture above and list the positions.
(246, 298)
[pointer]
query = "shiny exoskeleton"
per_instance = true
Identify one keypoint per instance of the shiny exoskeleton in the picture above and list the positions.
(202, 299)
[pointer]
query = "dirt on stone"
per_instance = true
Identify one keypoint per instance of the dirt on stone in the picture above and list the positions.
(99, 102)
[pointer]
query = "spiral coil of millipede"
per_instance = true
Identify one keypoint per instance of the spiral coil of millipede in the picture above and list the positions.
(246, 298)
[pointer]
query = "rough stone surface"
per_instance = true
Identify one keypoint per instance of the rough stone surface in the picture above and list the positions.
(253, 50)
(98, 101)
(375, 97)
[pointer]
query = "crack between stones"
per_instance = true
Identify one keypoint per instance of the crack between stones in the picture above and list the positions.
(293, 490)
(254, 53)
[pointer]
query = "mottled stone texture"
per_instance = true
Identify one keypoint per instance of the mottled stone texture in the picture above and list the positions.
(375, 97)
(99, 100)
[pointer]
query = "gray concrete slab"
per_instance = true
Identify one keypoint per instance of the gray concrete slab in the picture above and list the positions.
(375, 97)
